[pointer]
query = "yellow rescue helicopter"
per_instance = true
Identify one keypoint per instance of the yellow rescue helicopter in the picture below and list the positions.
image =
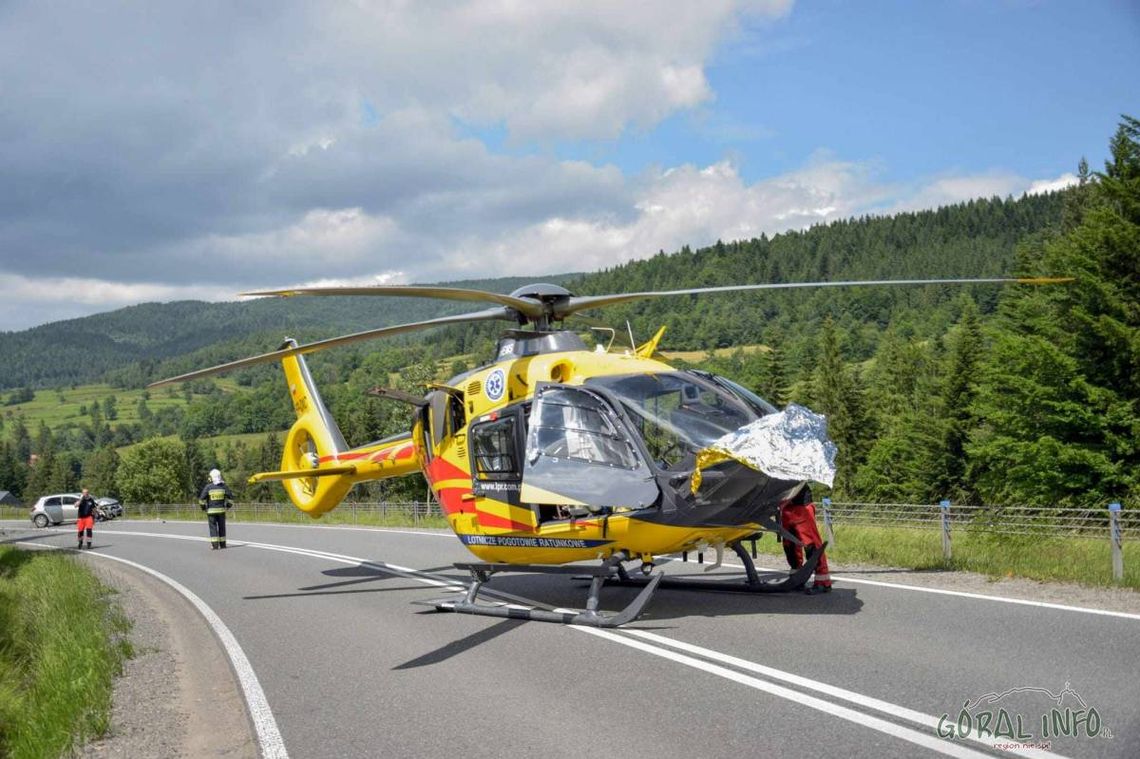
(554, 453)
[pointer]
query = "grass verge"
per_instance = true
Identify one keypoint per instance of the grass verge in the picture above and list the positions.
(1058, 559)
(62, 642)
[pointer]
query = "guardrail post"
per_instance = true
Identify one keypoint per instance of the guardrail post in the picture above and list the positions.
(827, 529)
(945, 507)
(1117, 538)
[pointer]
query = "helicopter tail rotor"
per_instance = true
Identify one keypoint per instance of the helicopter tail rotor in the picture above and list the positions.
(313, 439)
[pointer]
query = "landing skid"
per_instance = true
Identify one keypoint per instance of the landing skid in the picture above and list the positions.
(754, 582)
(591, 617)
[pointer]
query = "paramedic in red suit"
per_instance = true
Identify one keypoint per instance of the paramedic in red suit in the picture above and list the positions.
(797, 516)
(86, 507)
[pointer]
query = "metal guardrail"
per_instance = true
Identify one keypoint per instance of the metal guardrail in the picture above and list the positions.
(1110, 521)
(418, 513)
(999, 520)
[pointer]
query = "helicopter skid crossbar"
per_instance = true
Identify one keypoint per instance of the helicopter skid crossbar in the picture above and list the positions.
(753, 582)
(590, 616)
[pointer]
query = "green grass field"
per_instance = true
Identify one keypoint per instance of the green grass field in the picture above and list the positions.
(61, 406)
(62, 642)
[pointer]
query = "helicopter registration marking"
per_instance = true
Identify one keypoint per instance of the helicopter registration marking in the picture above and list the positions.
(517, 542)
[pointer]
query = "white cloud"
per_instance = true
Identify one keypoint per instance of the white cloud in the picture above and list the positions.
(35, 300)
(1042, 186)
(546, 70)
(89, 291)
(693, 206)
(328, 237)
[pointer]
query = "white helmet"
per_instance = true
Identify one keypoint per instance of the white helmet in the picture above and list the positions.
(215, 476)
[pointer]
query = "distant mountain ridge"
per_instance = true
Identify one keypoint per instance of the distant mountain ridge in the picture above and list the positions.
(973, 239)
(82, 350)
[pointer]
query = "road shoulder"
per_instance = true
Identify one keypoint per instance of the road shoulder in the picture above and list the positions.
(178, 696)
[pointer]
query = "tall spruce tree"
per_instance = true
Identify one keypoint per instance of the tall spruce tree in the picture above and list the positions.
(958, 391)
(838, 393)
(1059, 403)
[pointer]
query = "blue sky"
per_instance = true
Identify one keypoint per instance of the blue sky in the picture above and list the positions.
(922, 87)
(146, 154)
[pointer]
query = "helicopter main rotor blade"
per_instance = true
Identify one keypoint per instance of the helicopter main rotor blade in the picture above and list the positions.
(333, 342)
(581, 303)
(527, 307)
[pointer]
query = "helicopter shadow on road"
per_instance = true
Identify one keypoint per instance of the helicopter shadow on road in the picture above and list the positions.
(461, 645)
(361, 574)
(675, 603)
(670, 604)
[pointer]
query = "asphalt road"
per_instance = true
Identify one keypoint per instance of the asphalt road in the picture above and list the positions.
(350, 667)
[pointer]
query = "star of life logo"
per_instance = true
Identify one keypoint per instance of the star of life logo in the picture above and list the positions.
(495, 385)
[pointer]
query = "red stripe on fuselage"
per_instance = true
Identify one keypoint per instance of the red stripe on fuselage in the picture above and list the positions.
(451, 498)
(407, 450)
(440, 470)
(492, 520)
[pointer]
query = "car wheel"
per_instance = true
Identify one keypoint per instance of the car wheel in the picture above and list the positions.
(40, 520)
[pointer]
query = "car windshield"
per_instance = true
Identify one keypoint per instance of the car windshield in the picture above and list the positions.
(676, 413)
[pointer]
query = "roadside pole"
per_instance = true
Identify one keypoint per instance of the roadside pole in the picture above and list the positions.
(1117, 540)
(827, 529)
(945, 507)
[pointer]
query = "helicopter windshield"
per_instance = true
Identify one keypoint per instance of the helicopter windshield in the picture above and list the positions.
(677, 413)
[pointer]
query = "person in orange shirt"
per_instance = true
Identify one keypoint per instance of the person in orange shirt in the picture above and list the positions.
(797, 516)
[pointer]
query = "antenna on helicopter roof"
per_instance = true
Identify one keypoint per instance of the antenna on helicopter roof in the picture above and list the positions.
(613, 336)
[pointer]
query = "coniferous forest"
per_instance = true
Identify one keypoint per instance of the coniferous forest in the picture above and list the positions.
(981, 394)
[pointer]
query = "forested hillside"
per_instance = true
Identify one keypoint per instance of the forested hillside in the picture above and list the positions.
(982, 394)
(104, 346)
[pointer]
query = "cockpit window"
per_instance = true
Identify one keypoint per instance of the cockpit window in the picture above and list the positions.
(677, 413)
(758, 404)
(570, 424)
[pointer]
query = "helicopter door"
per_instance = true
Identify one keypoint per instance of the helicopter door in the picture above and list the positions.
(495, 466)
(578, 453)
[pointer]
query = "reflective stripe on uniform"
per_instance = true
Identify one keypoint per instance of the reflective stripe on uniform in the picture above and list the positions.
(216, 510)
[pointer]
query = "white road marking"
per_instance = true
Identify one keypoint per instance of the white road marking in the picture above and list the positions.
(910, 715)
(926, 740)
(268, 735)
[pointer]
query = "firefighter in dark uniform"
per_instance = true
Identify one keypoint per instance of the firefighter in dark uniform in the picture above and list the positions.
(215, 500)
(86, 507)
